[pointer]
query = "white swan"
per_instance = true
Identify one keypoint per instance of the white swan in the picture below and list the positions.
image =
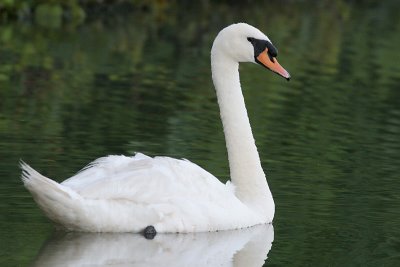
(127, 194)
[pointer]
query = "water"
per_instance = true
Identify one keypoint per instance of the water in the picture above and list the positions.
(328, 139)
(193, 249)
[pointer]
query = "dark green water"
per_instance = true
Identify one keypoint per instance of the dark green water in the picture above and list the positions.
(329, 139)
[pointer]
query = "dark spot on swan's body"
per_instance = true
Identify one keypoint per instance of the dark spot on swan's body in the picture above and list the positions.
(149, 232)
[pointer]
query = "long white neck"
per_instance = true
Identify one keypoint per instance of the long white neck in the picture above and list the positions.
(244, 162)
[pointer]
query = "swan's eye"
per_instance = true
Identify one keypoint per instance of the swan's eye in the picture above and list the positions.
(260, 46)
(272, 51)
(271, 57)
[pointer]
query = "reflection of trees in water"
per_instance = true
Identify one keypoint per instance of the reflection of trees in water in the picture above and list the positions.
(155, 57)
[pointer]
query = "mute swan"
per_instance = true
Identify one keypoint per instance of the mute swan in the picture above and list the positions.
(130, 194)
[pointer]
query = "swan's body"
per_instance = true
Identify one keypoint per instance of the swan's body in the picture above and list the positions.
(126, 194)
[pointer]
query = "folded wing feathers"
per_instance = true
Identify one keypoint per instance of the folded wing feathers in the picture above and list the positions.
(139, 178)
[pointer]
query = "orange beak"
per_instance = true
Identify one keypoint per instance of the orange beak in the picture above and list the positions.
(272, 64)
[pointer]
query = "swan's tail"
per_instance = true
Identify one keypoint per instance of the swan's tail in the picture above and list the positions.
(57, 201)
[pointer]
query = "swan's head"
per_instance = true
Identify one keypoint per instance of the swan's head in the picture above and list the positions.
(243, 43)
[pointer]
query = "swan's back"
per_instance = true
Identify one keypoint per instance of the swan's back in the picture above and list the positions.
(140, 178)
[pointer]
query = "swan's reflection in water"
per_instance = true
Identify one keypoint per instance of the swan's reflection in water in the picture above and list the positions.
(245, 247)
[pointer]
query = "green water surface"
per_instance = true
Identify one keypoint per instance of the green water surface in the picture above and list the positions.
(329, 139)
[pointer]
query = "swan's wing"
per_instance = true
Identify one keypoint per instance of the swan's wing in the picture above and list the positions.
(142, 179)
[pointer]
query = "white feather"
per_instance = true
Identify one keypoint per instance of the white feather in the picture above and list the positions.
(126, 194)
